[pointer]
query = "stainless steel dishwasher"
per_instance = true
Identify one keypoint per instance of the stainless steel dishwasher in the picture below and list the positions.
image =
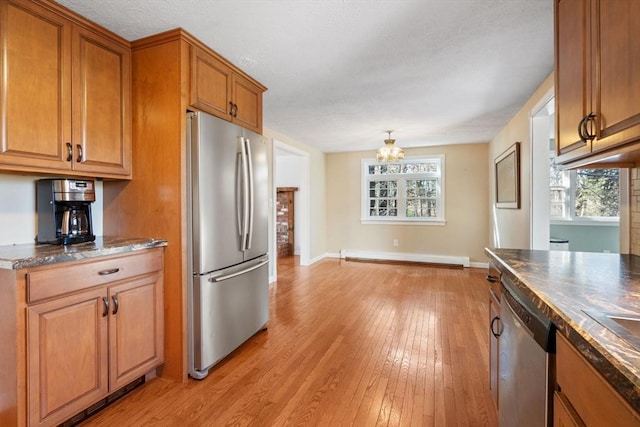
(526, 363)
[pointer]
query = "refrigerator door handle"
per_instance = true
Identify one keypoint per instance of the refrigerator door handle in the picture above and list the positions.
(237, 273)
(245, 195)
(239, 192)
(251, 197)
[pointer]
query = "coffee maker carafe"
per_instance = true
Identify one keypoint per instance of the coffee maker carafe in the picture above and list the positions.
(64, 211)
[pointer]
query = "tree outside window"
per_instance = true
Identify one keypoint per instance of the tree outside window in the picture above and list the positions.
(409, 191)
(584, 193)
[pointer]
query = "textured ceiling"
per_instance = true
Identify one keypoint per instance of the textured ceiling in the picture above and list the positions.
(342, 72)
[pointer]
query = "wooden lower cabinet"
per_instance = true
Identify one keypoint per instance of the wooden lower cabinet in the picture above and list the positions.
(563, 413)
(583, 396)
(85, 343)
(67, 355)
(494, 343)
(135, 331)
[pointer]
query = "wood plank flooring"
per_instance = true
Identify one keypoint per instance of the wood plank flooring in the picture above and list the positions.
(348, 344)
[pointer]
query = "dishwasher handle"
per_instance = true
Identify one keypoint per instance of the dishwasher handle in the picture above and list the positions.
(532, 319)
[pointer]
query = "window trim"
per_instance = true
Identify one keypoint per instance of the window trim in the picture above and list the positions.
(364, 198)
(572, 219)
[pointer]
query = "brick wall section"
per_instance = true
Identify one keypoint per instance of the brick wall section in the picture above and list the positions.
(282, 224)
(635, 211)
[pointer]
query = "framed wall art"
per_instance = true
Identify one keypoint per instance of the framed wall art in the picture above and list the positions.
(508, 178)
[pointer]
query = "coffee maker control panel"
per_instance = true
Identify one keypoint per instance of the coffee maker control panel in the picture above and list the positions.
(68, 190)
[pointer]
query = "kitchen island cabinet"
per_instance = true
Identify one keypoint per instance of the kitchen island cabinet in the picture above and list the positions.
(495, 329)
(65, 88)
(584, 394)
(83, 322)
(591, 360)
(597, 89)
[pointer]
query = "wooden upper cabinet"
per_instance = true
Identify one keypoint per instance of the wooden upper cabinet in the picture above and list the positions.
(210, 84)
(571, 76)
(65, 93)
(247, 104)
(617, 72)
(218, 89)
(101, 104)
(35, 79)
(597, 85)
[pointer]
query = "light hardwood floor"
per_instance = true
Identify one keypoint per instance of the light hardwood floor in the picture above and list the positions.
(348, 344)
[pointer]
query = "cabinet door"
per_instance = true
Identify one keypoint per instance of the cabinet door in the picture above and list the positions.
(210, 84)
(35, 87)
(135, 329)
(563, 413)
(494, 332)
(247, 99)
(617, 86)
(67, 354)
(101, 107)
(571, 76)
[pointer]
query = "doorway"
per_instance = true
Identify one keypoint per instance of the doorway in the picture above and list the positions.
(556, 196)
(291, 169)
(285, 221)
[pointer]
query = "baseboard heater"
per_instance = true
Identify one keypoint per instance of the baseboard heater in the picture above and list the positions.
(401, 262)
(101, 404)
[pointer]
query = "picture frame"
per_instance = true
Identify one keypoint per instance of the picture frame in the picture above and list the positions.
(507, 170)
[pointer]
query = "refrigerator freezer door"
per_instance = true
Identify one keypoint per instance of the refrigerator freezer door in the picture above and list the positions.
(229, 307)
(216, 208)
(259, 203)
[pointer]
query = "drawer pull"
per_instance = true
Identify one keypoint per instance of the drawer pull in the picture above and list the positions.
(105, 302)
(115, 304)
(108, 272)
(492, 279)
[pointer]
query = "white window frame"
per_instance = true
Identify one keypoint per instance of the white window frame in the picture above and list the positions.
(439, 219)
(569, 206)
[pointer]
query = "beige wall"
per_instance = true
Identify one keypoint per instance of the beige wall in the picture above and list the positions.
(466, 207)
(317, 217)
(510, 228)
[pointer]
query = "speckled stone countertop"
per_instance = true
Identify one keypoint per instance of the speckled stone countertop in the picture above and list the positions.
(564, 284)
(14, 257)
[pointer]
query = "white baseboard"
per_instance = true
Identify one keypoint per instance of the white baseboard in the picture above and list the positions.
(395, 256)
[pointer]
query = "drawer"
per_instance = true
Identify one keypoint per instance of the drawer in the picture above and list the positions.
(494, 279)
(595, 401)
(71, 277)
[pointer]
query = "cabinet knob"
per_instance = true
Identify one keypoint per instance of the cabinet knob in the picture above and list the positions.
(79, 152)
(492, 279)
(231, 108)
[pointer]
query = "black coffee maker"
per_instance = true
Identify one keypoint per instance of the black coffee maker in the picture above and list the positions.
(64, 211)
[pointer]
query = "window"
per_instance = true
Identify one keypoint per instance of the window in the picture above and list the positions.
(584, 194)
(407, 191)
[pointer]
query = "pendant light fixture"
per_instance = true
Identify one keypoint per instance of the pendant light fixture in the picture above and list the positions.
(390, 152)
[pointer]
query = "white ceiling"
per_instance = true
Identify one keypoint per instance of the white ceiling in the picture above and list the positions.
(342, 72)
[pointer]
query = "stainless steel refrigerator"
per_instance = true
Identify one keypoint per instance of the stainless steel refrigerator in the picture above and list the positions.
(228, 192)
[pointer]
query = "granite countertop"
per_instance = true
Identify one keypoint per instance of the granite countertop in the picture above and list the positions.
(14, 257)
(564, 284)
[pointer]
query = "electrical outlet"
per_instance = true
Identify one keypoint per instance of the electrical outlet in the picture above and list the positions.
(395, 242)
